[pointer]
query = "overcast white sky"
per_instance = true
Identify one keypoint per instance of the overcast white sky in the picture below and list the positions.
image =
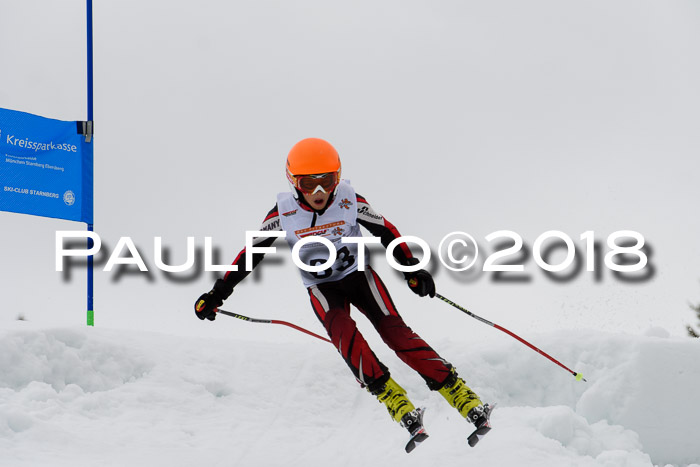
(475, 116)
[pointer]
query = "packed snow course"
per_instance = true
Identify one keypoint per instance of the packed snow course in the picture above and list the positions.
(86, 397)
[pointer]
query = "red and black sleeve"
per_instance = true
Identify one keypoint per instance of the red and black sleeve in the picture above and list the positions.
(224, 287)
(378, 226)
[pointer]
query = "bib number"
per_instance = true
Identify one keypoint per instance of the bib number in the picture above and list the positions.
(347, 260)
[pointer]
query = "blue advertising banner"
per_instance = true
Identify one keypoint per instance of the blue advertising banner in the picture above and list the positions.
(45, 167)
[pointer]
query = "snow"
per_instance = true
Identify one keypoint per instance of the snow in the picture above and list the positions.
(89, 396)
(477, 116)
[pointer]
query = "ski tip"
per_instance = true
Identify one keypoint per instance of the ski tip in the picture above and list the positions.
(483, 425)
(475, 437)
(419, 435)
(415, 441)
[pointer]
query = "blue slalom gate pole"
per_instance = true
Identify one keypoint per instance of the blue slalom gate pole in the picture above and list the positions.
(90, 306)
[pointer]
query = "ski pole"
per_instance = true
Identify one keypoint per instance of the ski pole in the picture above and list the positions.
(271, 321)
(578, 376)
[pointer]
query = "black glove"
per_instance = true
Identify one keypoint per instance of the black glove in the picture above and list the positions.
(420, 281)
(207, 304)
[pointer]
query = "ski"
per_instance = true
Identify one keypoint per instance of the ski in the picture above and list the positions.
(416, 440)
(414, 423)
(482, 421)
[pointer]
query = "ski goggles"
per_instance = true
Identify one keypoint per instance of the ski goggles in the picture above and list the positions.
(310, 184)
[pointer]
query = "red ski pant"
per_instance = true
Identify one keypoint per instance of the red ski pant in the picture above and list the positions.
(365, 290)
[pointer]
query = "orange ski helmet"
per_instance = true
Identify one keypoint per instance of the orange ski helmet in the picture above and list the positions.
(313, 157)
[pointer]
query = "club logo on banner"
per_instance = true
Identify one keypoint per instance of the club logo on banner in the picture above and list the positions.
(45, 167)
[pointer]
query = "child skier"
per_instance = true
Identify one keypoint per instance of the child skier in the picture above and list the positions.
(322, 204)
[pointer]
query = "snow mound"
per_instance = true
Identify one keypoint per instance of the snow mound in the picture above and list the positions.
(639, 395)
(649, 388)
(62, 357)
(101, 397)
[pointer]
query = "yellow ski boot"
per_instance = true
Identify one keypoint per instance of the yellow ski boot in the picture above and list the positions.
(458, 394)
(469, 406)
(403, 411)
(394, 398)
